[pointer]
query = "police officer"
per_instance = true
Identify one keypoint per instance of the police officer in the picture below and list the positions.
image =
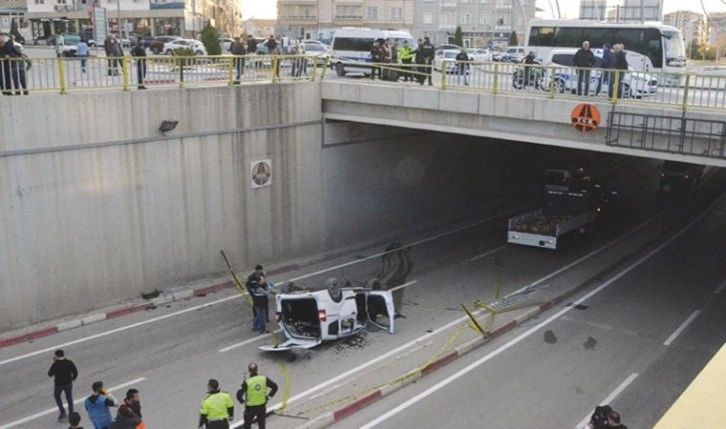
(217, 408)
(406, 54)
(254, 395)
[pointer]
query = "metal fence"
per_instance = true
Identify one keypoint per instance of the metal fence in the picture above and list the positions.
(555, 81)
(18, 75)
(687, 90)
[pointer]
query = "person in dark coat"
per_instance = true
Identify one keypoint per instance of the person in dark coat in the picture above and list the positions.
(377, 57)
(605, 64)
(126, 419)
(237, 48)
(584, 60)
(65, 373)
(620, 65)
(139, 53)
(427, 52)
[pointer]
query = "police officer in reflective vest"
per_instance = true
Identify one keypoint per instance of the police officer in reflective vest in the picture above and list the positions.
(217, 408)
(254, 395)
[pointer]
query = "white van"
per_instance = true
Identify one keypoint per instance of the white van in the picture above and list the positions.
(353, 45)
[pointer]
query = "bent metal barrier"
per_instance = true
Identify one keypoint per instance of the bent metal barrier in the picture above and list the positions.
(71, 74)
(687, 90)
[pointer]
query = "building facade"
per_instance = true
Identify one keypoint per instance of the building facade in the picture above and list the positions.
(316, 19)
(260, 27)
(14, 10)
(693, 25)
(141, 17)
(623, 11)
(482, 21)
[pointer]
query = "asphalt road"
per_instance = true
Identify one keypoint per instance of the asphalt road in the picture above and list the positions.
(169, 353)
(635, 344)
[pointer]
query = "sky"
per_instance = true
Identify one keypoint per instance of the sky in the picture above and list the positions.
(569, 8)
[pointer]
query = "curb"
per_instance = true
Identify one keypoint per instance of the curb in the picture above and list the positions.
(112, 314)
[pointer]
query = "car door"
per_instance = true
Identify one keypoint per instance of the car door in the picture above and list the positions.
(380, 309)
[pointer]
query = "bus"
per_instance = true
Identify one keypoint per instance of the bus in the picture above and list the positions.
(353, 45)
(703, 404)
(661, 46)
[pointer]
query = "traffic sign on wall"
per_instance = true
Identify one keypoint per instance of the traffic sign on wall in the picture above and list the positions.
(261, 172)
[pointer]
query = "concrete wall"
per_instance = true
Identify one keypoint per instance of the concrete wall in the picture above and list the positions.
(97, 207)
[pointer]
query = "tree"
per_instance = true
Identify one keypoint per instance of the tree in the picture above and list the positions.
(513, 41)
(459, 36)
(210, 39)
(693, 49)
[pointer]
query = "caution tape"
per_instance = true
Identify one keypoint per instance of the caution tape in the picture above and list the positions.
(237, 283)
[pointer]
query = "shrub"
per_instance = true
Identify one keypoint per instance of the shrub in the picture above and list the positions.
(210, 39)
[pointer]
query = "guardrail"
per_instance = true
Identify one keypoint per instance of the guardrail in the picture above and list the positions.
(18, 76)
(701, 90)
(554, 81)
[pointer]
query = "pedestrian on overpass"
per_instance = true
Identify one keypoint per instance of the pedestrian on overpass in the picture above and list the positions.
(406, 54)
(427, 52)
(217, 408)
(253, 394)
(65, 373)
(139, 54)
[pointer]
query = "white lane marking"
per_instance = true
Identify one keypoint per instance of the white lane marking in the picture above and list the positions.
(248, 341)
(76, 402)
(681, 328)
(411, 283)
(117, 330)
(720, 288)
(157, 319)
(415, 243)
(438, 387)
(485, 254)
(610, 398)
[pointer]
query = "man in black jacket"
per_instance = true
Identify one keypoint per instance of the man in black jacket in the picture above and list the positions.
(584, 60)
(620, 64)
(138, 52)
(237, 48)
(377, 57)
(65, 374)
(427, 53)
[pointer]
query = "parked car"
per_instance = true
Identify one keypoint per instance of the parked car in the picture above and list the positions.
(322, 56)
(675, 174)
(156, 44)
(66, 44)
(479, 54)
(309, 317)
(448, 57)
(447, 47)
(194, 45)
(513, 54)
(635, 85)
(225, 43)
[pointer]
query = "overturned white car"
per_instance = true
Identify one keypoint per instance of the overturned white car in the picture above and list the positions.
(307, 318)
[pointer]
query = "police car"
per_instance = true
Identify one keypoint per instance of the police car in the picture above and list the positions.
(635, 84)
(309, 317)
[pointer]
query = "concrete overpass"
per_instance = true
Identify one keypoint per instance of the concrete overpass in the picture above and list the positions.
(644, 129)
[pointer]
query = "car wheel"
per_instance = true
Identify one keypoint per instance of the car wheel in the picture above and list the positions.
(517, 80)
(340, 69)
(199, 53)
(627, 92)
(560, 86)
(336, 294)
(169, 52)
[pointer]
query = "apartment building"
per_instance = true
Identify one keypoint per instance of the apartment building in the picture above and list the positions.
(622, 11)
(155, 17)
(482, 21)
(260, 27)
(693, 25)
(316, 19)
(12, 9)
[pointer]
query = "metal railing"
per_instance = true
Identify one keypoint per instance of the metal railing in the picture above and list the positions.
(18, 75)
(683, 90)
